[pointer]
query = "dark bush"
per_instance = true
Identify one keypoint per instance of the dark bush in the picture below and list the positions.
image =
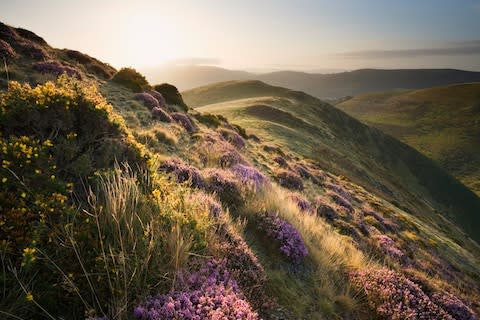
(184, 121)
(240, 130)
(281, 161)
(289, 180)
(209, 119)
(305, 173)
(132, 79)
(324, 210)
(171, 95)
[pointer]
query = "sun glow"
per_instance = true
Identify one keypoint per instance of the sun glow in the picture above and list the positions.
(153, 40)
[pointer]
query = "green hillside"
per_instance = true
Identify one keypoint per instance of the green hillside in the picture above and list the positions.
(118, 200)
(443, 123)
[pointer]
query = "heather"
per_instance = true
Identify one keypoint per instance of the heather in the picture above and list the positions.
(289, 240)
(392, 296)
(183, 172)
(161, 115)
(147, 99)
(224, 184)
(249, 176)
(56, 68)
(208, 293)
(184, 121)
(289, 180)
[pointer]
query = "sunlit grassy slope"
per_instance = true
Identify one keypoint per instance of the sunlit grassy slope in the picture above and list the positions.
(343, 145)
(116, 204)
(443, 123)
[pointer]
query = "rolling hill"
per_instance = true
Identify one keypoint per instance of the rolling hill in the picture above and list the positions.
(324, 86)
(442, 122)
(120, 201)
(341, 144)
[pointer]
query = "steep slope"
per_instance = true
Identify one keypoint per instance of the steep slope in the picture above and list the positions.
(343, 145)
(443, 123)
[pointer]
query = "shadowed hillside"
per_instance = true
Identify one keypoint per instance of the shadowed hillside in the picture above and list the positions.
(443, 123)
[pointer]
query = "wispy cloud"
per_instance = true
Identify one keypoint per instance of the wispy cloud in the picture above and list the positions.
(196, 61)
(452, 49)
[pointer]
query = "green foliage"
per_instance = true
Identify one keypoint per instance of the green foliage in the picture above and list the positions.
(131, 79)
(171, 95)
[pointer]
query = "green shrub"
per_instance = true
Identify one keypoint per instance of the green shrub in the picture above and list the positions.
(171, 95)
(131, 79)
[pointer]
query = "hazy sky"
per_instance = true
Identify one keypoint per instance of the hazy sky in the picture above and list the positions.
(256, 34)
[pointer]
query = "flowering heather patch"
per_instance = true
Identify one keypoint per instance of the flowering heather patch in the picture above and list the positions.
(157, 95)
(6, 50)
(183, 172)
(389, 247)
(160, 114)
(383, 222)
(289, 239)
(215, 147)
(341, 201)
(234, 138)
(340, 191)
(184, 120)
(147, 99)
(34, 51)
(243, 265)
(214, 208)
(56, 68)
(209, 293)
(395, 297)
(301, 202)
(289, 179)
(454, 306)
(303, 172)
(224, 185)
(249, 175)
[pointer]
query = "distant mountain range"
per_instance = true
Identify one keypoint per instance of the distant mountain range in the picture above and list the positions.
(324, 86)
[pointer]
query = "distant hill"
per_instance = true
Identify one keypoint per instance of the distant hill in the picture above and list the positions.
(341, 144)
(442, 122)
(324, 86)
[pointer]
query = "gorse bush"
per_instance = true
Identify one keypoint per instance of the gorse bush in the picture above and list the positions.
(132, 79)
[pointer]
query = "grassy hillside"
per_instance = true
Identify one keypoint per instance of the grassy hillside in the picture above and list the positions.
(118, 201)
(443, 123)
(335, 141)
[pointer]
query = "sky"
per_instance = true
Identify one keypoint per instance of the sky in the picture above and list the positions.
(305, 35)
